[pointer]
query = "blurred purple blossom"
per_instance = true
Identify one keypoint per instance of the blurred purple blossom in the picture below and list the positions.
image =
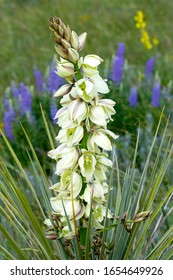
(25, 100)
(54, 81)
(9, 117)
(53, 110)
(149, 69)
(118, 64)
(155, 100)
(39, 80)
(15, 91)
(133, 98)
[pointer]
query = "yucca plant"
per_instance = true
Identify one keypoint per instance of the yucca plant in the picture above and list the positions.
(86, 218)
(140, 229)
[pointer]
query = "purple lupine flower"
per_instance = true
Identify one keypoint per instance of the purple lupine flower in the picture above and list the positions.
(15, 91)
(118, 64)
(155, 100)
(25, 100)
(53, 110)
(39, 80)
(9, 117)
(133, 98)
(149, 69)
(7, 105)
(54, 81)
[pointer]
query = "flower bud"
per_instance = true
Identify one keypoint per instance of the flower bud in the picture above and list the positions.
(74, 40)
(73, 55)
(61, 23)
(61, 51)
(57, 37)
(63, 90)
(65, 69)
(51, 236)
(65, 43)
(61, 30)
(82, 40)
(141, 216)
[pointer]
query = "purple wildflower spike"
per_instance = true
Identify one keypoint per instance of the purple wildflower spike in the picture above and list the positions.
(155, 100)
(15, 91)
(39, 80)
(54, 81)
(9, 117)
(133, 98)
(118, 64)
(149, 69)
(25, 101)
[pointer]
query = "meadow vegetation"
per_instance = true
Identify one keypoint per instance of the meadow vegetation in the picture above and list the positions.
(134, 38)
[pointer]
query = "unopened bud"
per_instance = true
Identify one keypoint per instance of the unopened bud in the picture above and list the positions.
(141, 216)
(57, 37)
(61, 51)
(61, 23)
(124, 215)
(63, 90)
(67, 34)
(74, 40)
(73, 55)
(52, 237)
(61, 30)
(82, 40)
(65, 69)
(65, 44)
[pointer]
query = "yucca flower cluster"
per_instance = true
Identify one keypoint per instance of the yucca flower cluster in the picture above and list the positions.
(83, 140)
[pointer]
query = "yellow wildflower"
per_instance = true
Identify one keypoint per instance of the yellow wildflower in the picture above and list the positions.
(139, 18)
(145, 39)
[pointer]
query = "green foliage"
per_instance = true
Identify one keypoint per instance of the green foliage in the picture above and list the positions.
(140, 229)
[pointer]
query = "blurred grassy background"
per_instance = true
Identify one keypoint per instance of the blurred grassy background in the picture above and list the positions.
(25, 39)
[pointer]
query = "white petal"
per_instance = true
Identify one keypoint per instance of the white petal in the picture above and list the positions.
(106, 102)
(92, 60)
(82, 40)
(97, 115)
(105, 161)
(103, 141)
(101, 86)
(78, 110)
(61, 112)
(110, 133)
(62, 90)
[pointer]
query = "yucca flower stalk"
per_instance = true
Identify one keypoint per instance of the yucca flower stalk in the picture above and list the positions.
(83, 140)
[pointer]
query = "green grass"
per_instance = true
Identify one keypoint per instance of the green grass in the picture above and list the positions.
(25, 39)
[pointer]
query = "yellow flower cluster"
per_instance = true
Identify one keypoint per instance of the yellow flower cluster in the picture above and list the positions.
(141, 25)
(139, 18)
(145, 39)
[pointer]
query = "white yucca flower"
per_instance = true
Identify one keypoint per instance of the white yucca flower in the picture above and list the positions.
(81, 160)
